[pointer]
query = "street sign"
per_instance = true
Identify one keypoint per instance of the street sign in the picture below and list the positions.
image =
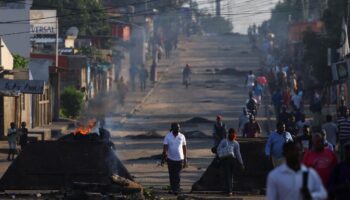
(23, 86)
(341, 70)
(43, 22)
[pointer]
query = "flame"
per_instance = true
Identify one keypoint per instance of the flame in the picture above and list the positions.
(82, 130)
(85, 130)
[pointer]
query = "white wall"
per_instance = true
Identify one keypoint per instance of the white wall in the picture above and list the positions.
(6, 59)
(17, 43)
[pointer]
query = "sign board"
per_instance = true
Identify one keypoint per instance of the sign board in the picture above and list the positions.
(23, 86)
(341, 70)
(43, 22)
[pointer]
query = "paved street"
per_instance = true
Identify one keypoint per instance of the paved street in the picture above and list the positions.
(217, 87)
(212, 92)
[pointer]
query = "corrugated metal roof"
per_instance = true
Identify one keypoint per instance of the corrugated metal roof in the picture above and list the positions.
(39, 69)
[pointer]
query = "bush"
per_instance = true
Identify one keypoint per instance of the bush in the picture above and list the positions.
(71, 102)
(20, 62)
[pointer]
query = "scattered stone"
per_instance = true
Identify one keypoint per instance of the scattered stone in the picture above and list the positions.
(197, 120)
(154, 157)
(195, 134)
(232, 71)
(153, 134)
(251, 180)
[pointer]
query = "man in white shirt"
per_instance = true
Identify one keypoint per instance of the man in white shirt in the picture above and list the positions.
(292, 180)
(175, 153)
(250, 81)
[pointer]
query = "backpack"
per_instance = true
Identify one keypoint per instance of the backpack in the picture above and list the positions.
(251, 105)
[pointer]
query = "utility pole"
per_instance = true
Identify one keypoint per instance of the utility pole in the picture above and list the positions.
(218, 7)
(348, 13)
(0, 52)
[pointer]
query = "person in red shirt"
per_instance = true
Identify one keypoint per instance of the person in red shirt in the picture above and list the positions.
(286, 97)
(322, 159)
(252, 128)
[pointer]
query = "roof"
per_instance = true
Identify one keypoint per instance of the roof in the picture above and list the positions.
(39, 69)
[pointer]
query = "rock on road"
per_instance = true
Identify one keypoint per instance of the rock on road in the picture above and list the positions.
(212, 92)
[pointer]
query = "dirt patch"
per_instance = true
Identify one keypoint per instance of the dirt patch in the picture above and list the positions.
(149, 135)
(197, 120)
(206, 101)
(232, 71)
(195, 134)
(154, 157)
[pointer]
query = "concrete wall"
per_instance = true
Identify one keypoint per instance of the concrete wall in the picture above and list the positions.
(25, 106)
(9, 109)
(17, 43)
(6, 59)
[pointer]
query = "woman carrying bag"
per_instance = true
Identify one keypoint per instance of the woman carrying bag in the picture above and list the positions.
(228, 152)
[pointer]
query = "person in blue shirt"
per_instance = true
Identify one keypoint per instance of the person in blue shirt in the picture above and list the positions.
(277, 101)
(258, 92)
(274, 145)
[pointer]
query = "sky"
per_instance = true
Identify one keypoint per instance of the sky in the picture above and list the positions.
(241, 12)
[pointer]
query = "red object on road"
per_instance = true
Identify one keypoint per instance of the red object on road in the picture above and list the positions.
(262, 80)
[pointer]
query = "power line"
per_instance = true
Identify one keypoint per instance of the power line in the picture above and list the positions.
(181, 14)
(81, 12)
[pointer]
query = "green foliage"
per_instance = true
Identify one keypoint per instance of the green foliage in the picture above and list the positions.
(71, 102)
(280, 17)
(88, 51)
(149, 194)
(88, 15)
(19, 62)
(216, 25)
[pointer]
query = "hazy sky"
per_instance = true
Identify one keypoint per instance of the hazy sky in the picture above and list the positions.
(242, 12)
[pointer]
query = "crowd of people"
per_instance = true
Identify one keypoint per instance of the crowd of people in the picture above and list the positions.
(310, 154)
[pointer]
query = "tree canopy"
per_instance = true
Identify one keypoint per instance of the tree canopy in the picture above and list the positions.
(89, 16)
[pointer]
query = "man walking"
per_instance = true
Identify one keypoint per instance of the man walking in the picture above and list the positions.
(143, 74)
(274, 145)
(132, 73)
(186, 75)
(220, 131)
(339, 182)
(344, 129)
(252, 128)
(293, 180)
(242, 120)
(175, 153)
(331, 130)
(321, 159)
(249, 82)
(252, 105)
